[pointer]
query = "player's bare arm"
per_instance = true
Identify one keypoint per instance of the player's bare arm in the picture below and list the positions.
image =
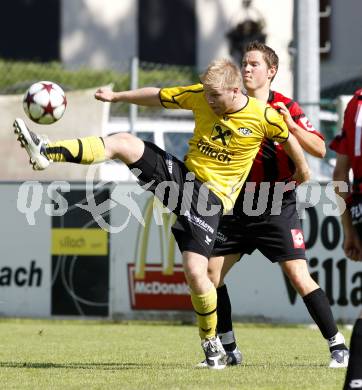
(148, 96)
(352, 245)
(309, 141)
(295, 152)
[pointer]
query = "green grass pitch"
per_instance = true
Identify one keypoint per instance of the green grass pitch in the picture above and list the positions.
(54, 354)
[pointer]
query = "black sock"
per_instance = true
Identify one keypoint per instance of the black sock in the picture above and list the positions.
(320, 310)
(354, 371)
(224, 322)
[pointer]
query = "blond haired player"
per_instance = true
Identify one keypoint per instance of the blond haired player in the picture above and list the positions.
(229, 128)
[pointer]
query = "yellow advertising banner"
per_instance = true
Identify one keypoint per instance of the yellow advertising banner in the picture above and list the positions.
(73, 241)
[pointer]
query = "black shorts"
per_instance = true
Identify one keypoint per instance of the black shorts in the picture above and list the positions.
(355, 209)
(278, 237)
(198, 209)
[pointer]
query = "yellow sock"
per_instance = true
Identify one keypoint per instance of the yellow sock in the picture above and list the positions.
(80, 151)
(205, 308)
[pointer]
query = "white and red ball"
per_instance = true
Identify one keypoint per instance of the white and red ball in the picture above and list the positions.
(44, 102)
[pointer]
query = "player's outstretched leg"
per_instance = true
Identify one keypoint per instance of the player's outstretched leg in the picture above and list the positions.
(86, 150)
(34, 145)
(42, 152)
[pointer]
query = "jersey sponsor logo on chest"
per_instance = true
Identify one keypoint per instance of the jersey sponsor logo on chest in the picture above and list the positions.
(221, 134)
(216, 153)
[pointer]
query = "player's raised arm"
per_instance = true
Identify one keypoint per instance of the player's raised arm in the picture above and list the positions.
(352, 244)
(148, 96)
(278, 130)
(295, 152)
(309, 140)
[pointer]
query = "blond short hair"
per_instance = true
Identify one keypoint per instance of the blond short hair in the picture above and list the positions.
(222, 73)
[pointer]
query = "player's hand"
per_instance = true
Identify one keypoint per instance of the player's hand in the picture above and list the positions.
(104, 95)
(352, 246)
(282, 108)
(302, 175)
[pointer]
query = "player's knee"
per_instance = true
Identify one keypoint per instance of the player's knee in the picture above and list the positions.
(114, 145)
(194, 275)
(123, 146)
(298, 275)
(122, 141)
(297, 281)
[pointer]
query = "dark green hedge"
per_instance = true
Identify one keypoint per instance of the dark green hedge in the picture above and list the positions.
(17, 76)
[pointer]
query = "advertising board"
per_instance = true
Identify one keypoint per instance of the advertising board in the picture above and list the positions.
(62, 261)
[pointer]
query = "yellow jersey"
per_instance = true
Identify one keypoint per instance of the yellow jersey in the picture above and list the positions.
(223, 148)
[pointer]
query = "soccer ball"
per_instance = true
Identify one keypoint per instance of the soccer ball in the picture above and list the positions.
(44, 102)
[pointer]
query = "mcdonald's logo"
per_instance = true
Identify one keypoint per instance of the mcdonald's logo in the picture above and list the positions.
(161, 285)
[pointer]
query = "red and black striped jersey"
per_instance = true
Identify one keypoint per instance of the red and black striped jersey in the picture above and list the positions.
(272, 164)
(349, 141)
